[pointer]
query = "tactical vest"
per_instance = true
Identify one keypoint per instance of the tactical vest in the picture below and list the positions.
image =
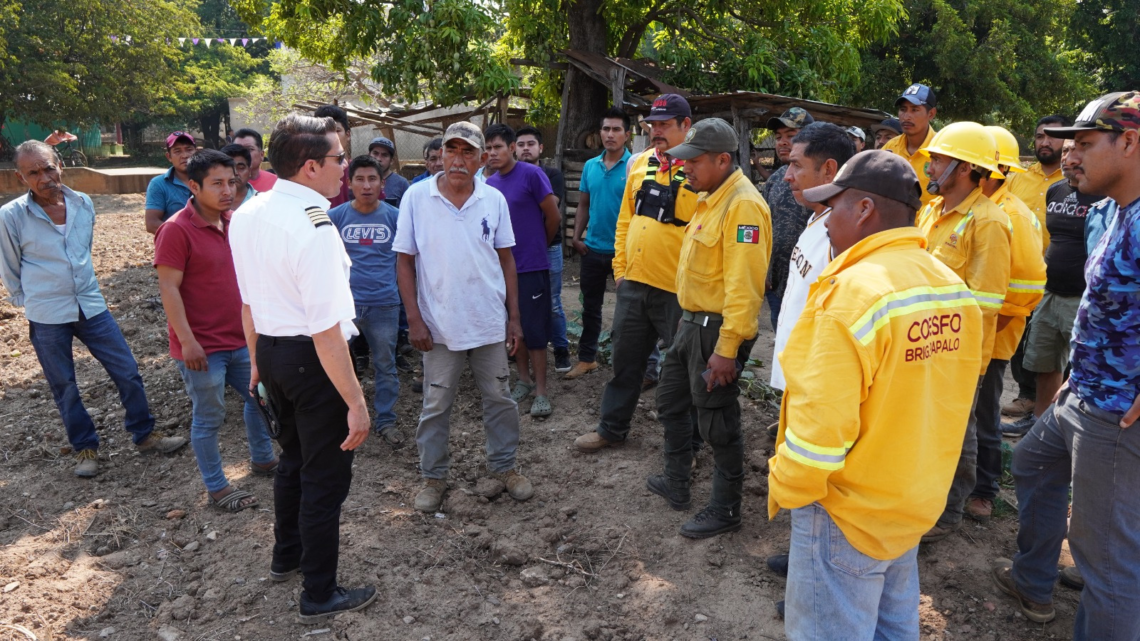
(658, 201)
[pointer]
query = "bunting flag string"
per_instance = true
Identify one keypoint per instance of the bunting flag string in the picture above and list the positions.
(233, 42)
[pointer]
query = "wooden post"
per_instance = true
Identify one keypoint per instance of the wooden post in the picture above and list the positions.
(743, 127)
(560, 142)
(617, 86)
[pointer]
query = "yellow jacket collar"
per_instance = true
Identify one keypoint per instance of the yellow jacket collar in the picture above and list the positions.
(726, 188)
(968, 202)
(889, 240)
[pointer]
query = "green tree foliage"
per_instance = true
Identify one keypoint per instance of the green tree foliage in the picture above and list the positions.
(994, 61)
(1108, 30)
(209, 76)
(452, 49)
(62, 64)
(438, 49)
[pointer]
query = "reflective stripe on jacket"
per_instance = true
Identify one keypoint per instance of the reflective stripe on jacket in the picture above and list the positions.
(1026, 272)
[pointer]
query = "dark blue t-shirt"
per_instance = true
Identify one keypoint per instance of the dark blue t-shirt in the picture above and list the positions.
(367, 238)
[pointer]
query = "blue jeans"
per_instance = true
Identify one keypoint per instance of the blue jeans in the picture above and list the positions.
(1074, 442)
(837, 592)
(380, 326)
(774, 303)
(103, 339)
(558, 317)
(207, 392)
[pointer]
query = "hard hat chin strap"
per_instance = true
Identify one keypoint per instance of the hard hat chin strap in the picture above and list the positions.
(935, 186)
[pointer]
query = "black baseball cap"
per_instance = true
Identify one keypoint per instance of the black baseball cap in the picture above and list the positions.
(918, 94)
(668, 106)
(890, 124)
(875, 172)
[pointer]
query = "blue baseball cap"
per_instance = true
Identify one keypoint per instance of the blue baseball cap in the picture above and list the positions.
(381, 141)
(917, 94)
(668, 106)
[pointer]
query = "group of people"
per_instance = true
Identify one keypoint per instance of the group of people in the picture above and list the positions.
(901, 282)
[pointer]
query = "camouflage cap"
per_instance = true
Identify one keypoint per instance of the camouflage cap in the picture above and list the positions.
(796, 118)
(1118, 111)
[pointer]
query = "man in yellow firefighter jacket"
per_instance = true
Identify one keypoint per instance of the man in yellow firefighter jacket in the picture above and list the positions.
(970, 234)
(881, 371)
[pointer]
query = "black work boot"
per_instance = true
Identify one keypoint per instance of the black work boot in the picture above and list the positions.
(778, 563)
(709, 522)
(677, 494)
(341, 600)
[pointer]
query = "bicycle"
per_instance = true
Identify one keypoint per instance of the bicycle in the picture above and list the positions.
(70, 156)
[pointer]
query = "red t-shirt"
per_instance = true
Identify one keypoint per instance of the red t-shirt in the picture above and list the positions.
(264, 181)
(345, 194)
(209, 287)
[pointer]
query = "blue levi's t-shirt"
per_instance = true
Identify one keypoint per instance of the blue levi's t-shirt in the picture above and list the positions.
(367, 238)
(1106, 347)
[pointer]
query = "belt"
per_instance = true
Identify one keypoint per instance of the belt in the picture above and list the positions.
(701, 318)
(289, 339)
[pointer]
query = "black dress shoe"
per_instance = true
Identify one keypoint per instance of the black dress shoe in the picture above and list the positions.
(677, 497)
(779, 564)
(342, 600)
(708, 523)
(279, 572)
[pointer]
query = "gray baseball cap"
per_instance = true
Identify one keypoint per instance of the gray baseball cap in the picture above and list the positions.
(709, 135)
(466, 132)
(875, 172)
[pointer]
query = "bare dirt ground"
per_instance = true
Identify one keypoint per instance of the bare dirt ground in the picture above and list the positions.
(136, 553)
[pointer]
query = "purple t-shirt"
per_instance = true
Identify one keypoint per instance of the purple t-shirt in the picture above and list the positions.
(525, 187)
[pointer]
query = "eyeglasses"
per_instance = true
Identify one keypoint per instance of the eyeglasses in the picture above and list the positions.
(339, 157)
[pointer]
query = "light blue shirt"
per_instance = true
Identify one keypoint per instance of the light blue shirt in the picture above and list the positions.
(606, 188)
(168, 193)
(47, 272)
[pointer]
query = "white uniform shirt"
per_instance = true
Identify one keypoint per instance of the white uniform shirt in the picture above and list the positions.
(292, 273)
(811, 254)
(459, 281)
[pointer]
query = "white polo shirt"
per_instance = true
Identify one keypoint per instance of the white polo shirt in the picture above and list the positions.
(811, 254)
(291, 266)
(460, 287)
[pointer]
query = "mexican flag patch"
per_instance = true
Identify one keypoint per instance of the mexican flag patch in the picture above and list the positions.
(748, 234)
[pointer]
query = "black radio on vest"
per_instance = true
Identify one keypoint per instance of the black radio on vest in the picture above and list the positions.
(659, 201)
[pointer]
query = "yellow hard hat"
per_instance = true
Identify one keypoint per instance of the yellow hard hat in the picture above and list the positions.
(1009, 152)
(968, 142)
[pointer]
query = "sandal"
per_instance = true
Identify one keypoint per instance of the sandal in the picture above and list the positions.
(521, 391)
(541, 407)
(235, 501)
(263, 470)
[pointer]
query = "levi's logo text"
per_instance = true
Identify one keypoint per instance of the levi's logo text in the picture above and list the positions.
(937, 333)
(366, 234)
(749, 234)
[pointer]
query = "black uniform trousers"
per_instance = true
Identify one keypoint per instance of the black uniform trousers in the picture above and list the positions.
(313, 474)
(682, 388)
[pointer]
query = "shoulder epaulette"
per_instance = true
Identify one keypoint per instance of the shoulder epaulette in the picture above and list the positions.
(317, 216)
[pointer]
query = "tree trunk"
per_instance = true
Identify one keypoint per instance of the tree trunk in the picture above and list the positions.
(587, 99)
(132, 137)
(209, 122)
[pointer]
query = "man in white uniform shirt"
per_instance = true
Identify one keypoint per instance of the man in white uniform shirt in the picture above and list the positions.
(818, 151)
(297, 312)
(457, 280)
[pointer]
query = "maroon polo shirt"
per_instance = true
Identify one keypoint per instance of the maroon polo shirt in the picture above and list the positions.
(209, 287)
